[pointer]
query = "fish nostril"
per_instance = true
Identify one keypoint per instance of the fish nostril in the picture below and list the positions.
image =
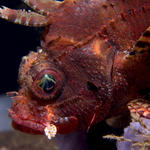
(92, 87)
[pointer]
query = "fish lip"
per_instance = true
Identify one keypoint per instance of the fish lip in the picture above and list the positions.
(63, 124)
(31, 124)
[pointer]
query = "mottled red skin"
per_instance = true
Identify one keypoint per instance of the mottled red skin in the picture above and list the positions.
(85, 47)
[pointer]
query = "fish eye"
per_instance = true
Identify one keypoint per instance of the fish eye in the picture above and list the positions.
(47, 83)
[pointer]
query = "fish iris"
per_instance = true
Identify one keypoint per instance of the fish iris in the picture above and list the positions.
(47, 83)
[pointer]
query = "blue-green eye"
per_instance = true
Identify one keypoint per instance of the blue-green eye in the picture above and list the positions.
(47, 83)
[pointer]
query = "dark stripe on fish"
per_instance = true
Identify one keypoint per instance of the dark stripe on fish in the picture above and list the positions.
(132, 53)
(147, 34)
(142, 44)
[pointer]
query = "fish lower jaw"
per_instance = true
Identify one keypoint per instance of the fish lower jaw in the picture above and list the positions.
(63, 124)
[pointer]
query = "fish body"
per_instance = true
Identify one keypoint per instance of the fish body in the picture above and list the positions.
(90, 64)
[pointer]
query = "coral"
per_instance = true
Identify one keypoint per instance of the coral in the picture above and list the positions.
(136, 135)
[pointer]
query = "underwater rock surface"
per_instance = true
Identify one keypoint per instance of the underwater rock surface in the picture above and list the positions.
(5, 123)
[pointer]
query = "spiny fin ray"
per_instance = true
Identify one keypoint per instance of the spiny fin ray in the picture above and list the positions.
(43, 7)
(23, 17)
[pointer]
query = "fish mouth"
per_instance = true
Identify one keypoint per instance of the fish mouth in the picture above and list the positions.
(33, 117)
(29, 126)
(63, 124)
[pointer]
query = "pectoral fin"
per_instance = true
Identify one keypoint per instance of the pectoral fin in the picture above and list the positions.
(137, 62)
(141, 49)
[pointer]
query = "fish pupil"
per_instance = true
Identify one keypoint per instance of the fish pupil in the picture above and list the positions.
(47, 83)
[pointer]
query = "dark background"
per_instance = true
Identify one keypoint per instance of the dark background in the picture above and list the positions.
(15, 42)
